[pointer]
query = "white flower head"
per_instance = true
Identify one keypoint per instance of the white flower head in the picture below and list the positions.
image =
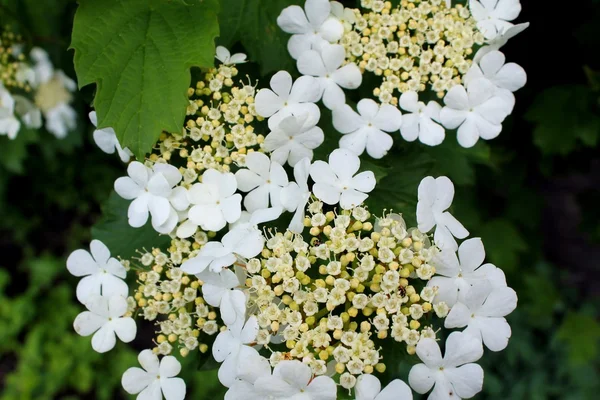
(263, 179)
(226, 58)
(102, 274)
(292, 379)
(294, 139)
(368, 387)
(295, 195)
(326, 64)
(435, 197)
(493, 16)
(421, 122)
(452, 377)
(367, 128)
(155, 377)
(309, 27)
(106, 140)
(336, 182)
(483, 313)
(285, 99)
(455, 275)
(9, 124)
(105, 318)
(153, 190)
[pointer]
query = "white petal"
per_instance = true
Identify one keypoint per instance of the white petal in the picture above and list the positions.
(139, 173)
(356, 142)
(388, 118)
(332, 30)
(299, 44)
(105, 139)
(421, 378)
(348, 77)
(127, 188)
(447, 289)
(458, 317)
(395, 390)
(321, 172)
(452, 118)
(173, 388)
(169, 367)
(511, 76)
(104, 340)
(333, 96)
(159, 208)
(87, 323)
(311, 63)
(267, 103)
(343, 163)
(81, 263)
(305, 90)
(294, 372)
(410, 127)
(346, 120)
(368, 109)
(317, 11)
(495, 333)
(250, 330)
(322, 388)
(409, 101)
(125, 328)
(457, 98)
(378, 144)
(352, 198)
(471, 254)
(466, 380)
(367, 387)
(149, 361)
(429, 352)
(468, 132)
(461, 348)
(326, 193)
(152, 392)
(365, 181)
(431, 134)
(135, 380)
(293, 20)
(499, 303)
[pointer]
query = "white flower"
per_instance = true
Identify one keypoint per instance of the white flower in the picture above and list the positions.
(292, 379)
(250, 369)
(327, 65)
(492, 16)
(287, 99)
(226, 58)
(296, 194)
(435, 197)
(107, 140)
(60, 120)
(9, 124)
(368, 387)
(105, 317)
(43, 68)
(454, 278)
(28, 112)
(335, 181)
(483, 313)
(506, 78)
(153, 190)
(263, 180)
(343, 14)
(231, 347)
(367, 130)
(154, 378)
(309, 27)
(244, 240)
(219, 290)
(420, 122)
(454, 376)
(103, 275)
(500, 40)
(294, 139)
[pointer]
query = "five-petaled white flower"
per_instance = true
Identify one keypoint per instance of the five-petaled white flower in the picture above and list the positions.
(107, 140)
(9, 124)
(285, 99)
(155, 377)
(153, 190)
(262, 179)
(103, 275)
(294, 139)
(292, 379)
(454, 376)
(475, 111)
(105, 317)
(454, 278)
(309, 27)
(419, 123)
(226, 58)
(336, 182)
(367, 128)
(368, 387)
(492, 16)
(296, 194)
(215, 202)
(327, 66)
(482, 312)
(435, 197)
(220, 290)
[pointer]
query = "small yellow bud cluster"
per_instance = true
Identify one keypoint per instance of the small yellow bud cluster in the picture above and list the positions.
(13, 65)
(418, 45)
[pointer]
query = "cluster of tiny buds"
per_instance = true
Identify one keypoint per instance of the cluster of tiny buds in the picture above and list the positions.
(12, 62)
(417, 45)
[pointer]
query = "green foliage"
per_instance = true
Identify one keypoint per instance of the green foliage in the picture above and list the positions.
(139, 53)
(581, 333)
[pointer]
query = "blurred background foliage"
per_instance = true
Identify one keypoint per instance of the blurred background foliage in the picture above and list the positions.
(532, 195)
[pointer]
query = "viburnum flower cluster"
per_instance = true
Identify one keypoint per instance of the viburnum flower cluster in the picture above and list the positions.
(32, 93)
(277, 268)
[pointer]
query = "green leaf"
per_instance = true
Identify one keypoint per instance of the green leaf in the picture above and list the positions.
(456, 162)
(116, 233)
(139, 53)
(581, 334)
(254, 24)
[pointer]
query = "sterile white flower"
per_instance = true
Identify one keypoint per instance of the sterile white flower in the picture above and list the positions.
(292, 379)
(454, 376)
(153, 190)
(368, 387)
(285, 99)
(102, 274)
(262, 179)
(250, 369)
(243, 241)
(155, 377)
(309, 27)
(454, 278)
(367, 128)
(500, 40)
(435, 197)
(105, 318)
(294, 139)
(219, 290)
(107, 140)
(296, 194)
(492, 16)
(336, 182)
(215, 202)
(483, 312)
(226, 58)
(327, 65)
(419, 123)
(9, 124)
(231, 347)
(28, 112)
